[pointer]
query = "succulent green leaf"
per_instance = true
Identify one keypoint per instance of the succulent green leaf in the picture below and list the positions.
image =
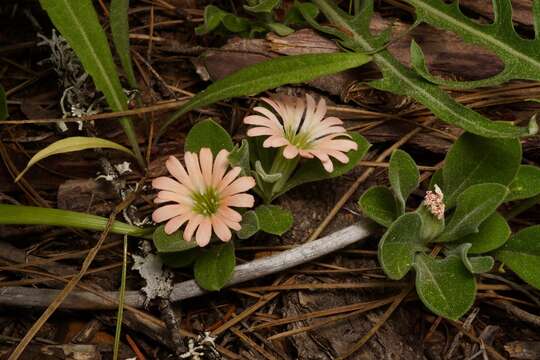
(445, 286)
(31, 215)
(526, 184)
(249, 225)
(474, 205)
(180, 259)
(399, 245)
(270, 74)
(70, 144)
(274, 219)
(3, 104)
(404, 177)
(118, 18)
(476, 265)
(312, 170)
(522, 254)
(173, 243)
(378, 204)
(474, 159)
(208, 134)
(215, 266)
(492, 234)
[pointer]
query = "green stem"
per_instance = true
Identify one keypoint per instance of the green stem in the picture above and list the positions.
(285, 167)
(121, 299)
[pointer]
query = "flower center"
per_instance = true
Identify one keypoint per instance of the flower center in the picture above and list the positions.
(301, 139)
(206, 203)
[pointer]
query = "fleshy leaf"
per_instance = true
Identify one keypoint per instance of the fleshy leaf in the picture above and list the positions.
(445, 286)
(474, 205)
(120, 34)
(215, 266)
(522, 254)
(492, 234)
(404, 177)
(474, 159)
(431, 225)
(274, 219)
(378, 204)
(398, 246)
(476, 265)
(526, 184)
(208, 134)
(270, 74)
(180, 259)
(70, 144)
(250, 225)
(171, 243)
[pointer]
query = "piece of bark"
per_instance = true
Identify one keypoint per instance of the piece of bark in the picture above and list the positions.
(523, 349)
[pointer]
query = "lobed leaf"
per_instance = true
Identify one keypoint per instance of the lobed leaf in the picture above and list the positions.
(214, 267)
(404, 176)
(378, 204)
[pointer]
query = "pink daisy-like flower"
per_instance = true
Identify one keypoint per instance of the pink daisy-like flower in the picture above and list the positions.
(202, 196)
(303, 130)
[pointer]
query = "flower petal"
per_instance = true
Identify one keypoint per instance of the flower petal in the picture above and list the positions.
(222, 231)
(174, 224)
(290, 152)
(229, 178)
(166, 183)
(239, 185)
(192, 225)
(176, 169)
(204, 233)
(206, 160)
(166, 212)
(181, 198)
(239, 200)
(194, 171)
(226, 213)
(220, 166)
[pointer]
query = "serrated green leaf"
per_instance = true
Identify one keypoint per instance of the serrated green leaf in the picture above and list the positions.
(119, 21)
(208, 134)
(355, 34)
(526, 184)
(3, 104)
(476, 265)
(79, 25)
(75, 143)
(378, 204)
(404, 177)
(474, 159)
(445, 286)
(312, 170)
(249, 225)
(173, 243)
(180, 259)
(492, 234)
(31, 215)
(215, 266)
(263, 6)
(474, 205)
(522, 254)
(274, 219)
(399, 245)
(270, 74)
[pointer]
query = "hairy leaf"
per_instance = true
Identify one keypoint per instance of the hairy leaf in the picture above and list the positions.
(403, 175)
(75, 143)
(215, 266)
(250, 225)
(492, 234)
(477, 264)
(274, 219)
(378, 204)
(526, 184)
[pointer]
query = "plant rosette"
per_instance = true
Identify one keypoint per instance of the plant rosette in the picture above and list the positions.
(456, 232)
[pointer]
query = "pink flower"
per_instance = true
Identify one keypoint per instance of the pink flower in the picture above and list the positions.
(303, 130)
(202, 196)
(434, 202)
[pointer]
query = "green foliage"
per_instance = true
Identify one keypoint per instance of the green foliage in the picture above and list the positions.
(354, 34)
(79, 24)
(474, 159)
(526, 184)
(270, 74)
(180, 259)
(476, 265)
(250, 225)
(214, 17)
(3, 104)
(274, 219)
(215, 266)
(522, 254)
(173, 243)
(118, 18)
(445, 286)
(239, 156)
(492, 234)
(75, 143)
(399, 245)
(404, 177)
(474, 205)
(208, 134)
(31, 215)
(378, 204)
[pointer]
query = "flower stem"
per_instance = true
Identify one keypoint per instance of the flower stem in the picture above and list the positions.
(285, 167)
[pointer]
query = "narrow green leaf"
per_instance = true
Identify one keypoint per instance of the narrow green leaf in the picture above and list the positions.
(3, 104)
(399, 245)
(118, 18)
(445, 286)
(274, 219)
(214, 267)
(312, 170)
(404, 176)
(173, 243)
(263, 6)
(526, 184)
(208, 134)
(121, 299)
(474, 159)
(474, 205)
(476, 265)
(250, 225)
(522, 254)
(75, 143)
(79, 24)
(492, 234)
(180, 259)
(280, 29)
(30, 215)
(378, 204)
(270, 74)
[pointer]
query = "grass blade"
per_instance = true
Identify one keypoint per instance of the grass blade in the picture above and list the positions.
(121, 298)
(120, 33)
